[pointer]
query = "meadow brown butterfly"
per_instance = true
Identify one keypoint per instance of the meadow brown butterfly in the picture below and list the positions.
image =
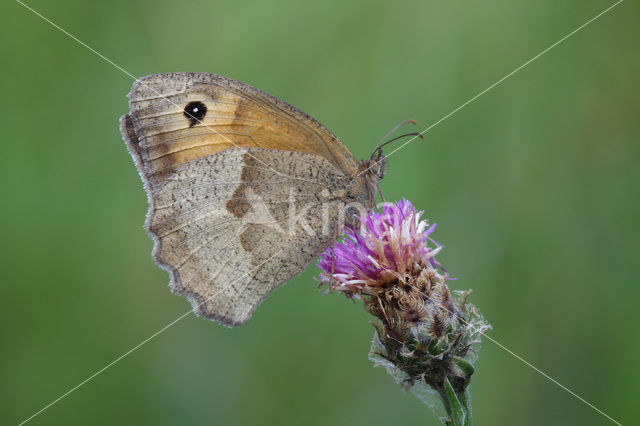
(244, 189)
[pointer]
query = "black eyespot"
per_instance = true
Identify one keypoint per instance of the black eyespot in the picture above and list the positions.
(195, 112)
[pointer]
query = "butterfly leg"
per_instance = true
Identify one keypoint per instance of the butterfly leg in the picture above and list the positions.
(333, 262)
(380, 192)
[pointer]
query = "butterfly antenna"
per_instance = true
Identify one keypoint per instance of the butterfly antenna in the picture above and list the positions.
(414, 134)
(378, 146)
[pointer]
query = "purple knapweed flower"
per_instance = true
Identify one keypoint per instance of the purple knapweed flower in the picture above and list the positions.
(426, 336)
(387, 245)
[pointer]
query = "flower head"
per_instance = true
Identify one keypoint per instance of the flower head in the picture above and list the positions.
(426, 337)
(389, 244)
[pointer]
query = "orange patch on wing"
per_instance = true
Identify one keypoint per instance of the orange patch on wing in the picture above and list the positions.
(236, 115)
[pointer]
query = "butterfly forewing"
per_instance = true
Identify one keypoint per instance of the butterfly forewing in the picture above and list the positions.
(180, 117)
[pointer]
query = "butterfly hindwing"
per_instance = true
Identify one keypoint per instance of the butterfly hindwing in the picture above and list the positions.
(233, 226)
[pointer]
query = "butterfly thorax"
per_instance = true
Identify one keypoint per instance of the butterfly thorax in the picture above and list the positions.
(373, 171)
(364, 188)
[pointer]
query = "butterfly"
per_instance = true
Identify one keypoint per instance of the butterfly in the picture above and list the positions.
(244, 189)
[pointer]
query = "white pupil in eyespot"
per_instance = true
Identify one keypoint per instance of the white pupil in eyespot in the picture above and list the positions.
(195, 109)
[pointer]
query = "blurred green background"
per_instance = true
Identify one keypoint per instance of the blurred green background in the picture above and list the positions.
(534, 187)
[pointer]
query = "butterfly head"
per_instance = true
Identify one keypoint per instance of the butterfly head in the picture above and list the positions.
(377, 165)
(369, 173)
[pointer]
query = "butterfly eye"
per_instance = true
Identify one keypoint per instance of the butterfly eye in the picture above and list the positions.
(195, 112)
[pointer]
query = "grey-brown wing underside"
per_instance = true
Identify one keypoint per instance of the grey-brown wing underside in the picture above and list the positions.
(233, 226)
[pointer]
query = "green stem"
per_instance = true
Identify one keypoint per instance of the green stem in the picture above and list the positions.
(457, 404)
